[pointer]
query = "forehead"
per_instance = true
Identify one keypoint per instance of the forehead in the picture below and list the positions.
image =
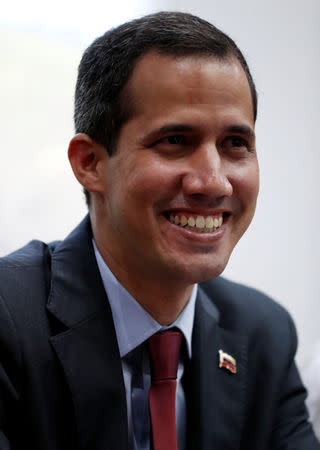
(161, 81)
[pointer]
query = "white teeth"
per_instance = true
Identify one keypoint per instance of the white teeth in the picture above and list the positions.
(203, 224)
(200, 222)
(209, 222)
(215, 222)
(184, 221)
(191, 222)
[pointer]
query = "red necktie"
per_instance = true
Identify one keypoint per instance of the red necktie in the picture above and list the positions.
(164, 351)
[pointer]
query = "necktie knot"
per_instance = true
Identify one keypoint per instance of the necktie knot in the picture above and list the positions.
(164, 349)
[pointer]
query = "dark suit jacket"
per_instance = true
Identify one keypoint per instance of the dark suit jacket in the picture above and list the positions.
(61, 383)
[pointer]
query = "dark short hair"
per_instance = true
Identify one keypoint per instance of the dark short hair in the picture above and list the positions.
(107, 64)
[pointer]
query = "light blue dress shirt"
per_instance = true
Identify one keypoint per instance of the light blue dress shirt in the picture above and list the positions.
(134, 325)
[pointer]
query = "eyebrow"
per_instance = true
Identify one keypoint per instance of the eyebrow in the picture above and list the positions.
(169, 128)
(181, 128)
(241, 129)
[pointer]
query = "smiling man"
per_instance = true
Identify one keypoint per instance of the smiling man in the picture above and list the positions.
(124, 336)
(187, 155)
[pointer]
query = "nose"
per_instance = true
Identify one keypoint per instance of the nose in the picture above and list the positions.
(207, 175)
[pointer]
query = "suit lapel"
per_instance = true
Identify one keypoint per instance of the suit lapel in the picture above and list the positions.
(215, 396)
(87, 348)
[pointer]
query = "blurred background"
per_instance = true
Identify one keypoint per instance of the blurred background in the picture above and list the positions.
(41, 45)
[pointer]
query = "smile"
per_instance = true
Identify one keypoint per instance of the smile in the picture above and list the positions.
(198, 223)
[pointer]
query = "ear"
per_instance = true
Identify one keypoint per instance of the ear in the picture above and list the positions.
(87, 159)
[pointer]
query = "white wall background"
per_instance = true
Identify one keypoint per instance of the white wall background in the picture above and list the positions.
(41, 45)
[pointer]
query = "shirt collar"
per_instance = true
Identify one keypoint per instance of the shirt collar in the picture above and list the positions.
(133, 324)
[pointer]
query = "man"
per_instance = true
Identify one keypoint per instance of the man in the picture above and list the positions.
(165, 109)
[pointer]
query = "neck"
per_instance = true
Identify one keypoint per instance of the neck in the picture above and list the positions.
(163, 297)
(161, 301)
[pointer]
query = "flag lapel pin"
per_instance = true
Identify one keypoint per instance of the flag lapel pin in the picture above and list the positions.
(227, 361)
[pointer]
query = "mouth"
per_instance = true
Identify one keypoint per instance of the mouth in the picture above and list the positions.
(196, 222)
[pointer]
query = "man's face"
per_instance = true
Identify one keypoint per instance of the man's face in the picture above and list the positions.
(181, 188)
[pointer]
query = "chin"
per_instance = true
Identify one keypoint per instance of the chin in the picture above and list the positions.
(202, 271)
(208, 274)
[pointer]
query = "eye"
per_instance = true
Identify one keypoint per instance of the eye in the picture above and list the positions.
(236, 141)
(236, 145)
(173, 145)
(175, 139)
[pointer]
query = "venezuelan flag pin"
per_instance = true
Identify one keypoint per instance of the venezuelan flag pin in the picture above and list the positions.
(227, 361)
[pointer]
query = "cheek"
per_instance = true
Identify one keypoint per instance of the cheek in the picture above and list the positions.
(152, 180)
(245, 183)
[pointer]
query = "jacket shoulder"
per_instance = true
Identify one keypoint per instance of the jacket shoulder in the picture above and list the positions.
(250, 311)
(227, 294)
(29, 255)
(25, 272)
